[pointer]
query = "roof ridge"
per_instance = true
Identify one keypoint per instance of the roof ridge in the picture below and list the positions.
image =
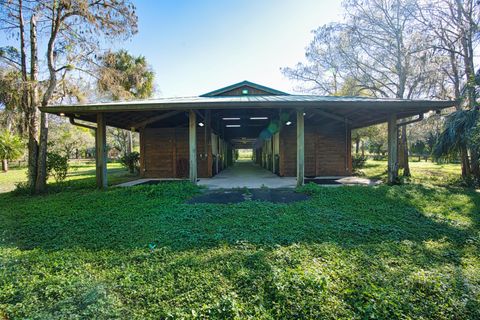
(240, 84)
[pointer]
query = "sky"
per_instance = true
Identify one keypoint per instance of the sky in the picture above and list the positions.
(198, 46)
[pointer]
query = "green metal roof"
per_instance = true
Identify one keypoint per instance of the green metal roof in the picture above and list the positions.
(266, 101)
(358, 111)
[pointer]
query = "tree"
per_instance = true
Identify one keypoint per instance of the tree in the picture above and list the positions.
(377, 49)
(452, 28)
(71, 32)
(123, 76)
(362, 134)
(460, 131)
(11, 148)
(11, 116)
(377, 142)
(69, 140)
(324, 71)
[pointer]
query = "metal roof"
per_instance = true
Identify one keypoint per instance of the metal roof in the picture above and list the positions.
(266, 101)
(358, 111)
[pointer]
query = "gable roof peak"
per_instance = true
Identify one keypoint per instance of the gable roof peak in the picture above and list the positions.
(234, 90)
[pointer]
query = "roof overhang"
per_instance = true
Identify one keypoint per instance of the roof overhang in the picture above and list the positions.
(359, 111)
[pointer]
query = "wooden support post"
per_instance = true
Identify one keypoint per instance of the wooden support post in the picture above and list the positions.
(101, 152)
(208, 143)
(273, 153)
(192, 129)
(392, 150)
(300, 148)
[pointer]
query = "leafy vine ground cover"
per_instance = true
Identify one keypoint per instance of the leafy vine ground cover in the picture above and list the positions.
(410, 251)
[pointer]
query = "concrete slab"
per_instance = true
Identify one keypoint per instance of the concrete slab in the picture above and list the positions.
(145, 180)
(249, 175)
(343, 181)
(246, 174)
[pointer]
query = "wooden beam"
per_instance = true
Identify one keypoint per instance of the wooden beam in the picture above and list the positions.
(192, 141)
(101, 152)
(392, 150)
(300, 148)
(154, 119)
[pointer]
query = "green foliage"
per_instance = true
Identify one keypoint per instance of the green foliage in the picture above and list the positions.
(11, 146)
(57, 166)
(124, 76)
(131, 161)
(378, 150)
(410, 251)
(358, 161)
(458, 132)
(22, 188)
(347, 252)
(10, 98)
(66, 139)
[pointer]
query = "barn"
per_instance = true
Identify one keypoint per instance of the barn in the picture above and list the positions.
(290, 135)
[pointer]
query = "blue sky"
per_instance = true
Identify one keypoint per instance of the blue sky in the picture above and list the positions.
(198, 46)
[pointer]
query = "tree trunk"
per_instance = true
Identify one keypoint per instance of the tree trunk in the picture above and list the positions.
(465, 163)
(357, 145)
(4, 165)
(30, 114)
(41, 183)
(467, 50)
(475, 166)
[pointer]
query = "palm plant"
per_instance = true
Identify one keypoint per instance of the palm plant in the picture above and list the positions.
(459, 136)
(11, 148)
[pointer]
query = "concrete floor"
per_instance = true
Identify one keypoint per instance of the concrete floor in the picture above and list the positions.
(247, 174)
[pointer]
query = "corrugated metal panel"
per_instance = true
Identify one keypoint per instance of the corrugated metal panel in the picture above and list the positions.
(262, 99)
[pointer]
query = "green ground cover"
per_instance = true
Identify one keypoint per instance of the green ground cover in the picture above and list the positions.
(80, 174)
(403, 252)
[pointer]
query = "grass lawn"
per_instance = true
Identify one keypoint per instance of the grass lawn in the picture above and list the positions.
(422, 172)
(81, 174)
(403, 252)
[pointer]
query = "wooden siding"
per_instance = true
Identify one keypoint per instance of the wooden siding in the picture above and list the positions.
(327, 151)
(165, 153)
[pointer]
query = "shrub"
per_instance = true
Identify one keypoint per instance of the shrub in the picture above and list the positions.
(309, 188)
(22, 189)
(131, 161)
(358, 162)
(57, 166)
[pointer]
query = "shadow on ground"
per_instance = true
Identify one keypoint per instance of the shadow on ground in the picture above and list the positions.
(137, 216)
(241, 195)
(143, 252)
